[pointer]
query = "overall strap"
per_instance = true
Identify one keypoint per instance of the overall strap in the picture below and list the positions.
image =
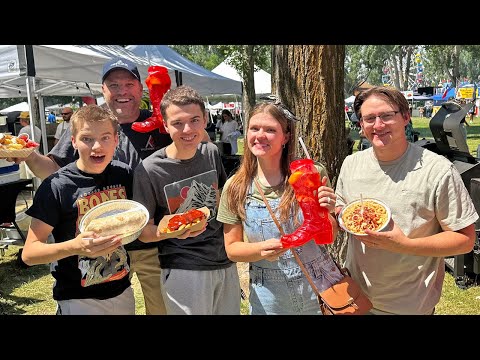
(274, 218)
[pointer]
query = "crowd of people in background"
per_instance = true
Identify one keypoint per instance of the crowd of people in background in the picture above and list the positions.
(225, 129)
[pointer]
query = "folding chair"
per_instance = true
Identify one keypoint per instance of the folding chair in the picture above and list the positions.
(9, 193)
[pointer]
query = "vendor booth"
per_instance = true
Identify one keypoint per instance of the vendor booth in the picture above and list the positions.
(451, 143)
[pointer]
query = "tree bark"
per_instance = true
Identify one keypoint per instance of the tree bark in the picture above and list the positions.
(249, 83)
(308, 79)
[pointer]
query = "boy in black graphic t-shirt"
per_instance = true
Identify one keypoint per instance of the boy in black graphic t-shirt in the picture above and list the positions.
(87, 280)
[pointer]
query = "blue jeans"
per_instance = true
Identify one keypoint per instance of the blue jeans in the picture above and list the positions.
(280, 287)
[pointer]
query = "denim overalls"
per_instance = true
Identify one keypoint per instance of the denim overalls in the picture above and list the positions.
(280, 287)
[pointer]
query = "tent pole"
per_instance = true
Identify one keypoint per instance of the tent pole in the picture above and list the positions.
(31, 101)
(147, 55)
(43, 127)
(30, 82)
(33, 115)
(209, 110)
(240, 112)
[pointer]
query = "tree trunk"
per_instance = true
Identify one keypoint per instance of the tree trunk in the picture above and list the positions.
(456, 65)
(248, 97)
(408, 63)
(308, 79)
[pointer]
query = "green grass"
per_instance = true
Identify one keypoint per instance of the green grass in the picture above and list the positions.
(29, 291)
(473, 132)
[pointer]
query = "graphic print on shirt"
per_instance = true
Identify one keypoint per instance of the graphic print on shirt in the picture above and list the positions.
(103, 268)
(193, 193)
(150, 145)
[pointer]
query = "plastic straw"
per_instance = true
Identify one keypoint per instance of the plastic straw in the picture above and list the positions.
(361, 204)
(304, 147)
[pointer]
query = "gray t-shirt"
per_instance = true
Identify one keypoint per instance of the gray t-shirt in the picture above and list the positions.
(426, 195)
(168, 186)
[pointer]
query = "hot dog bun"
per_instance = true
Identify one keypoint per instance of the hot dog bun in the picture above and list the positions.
(121, 223)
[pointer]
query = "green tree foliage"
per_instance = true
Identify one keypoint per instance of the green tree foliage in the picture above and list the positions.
(238, 57)
(452, 63)
(443, 62)
(368, 62)
(4, 103)
(363, 63)
(440, 62)
(207, 56)
(247, 59)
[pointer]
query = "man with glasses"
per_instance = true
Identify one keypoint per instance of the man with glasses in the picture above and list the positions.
(401, 269)
(66, 115)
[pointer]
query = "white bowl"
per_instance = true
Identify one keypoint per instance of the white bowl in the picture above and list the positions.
(113, 207)
(368, 202)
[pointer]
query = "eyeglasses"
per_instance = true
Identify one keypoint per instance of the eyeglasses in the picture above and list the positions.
(63, 114)
(387, 118)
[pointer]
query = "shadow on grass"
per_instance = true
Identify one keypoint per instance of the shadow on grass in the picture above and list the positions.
(13, 276)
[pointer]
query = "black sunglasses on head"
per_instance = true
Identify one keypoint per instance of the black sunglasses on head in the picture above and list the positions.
(276, 101)
(66, 113)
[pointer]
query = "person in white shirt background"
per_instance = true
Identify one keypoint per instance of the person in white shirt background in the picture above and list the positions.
(66, 115)
(25, 172)
(27, 128)
(228, 131)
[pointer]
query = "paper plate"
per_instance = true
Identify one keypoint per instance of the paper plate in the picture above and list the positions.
(17, 153)
(164, 222)
(380, 205)
(113, 207)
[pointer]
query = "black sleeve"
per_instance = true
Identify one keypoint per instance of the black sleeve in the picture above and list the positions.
(63, 152)
(222, 175)
(45, 205)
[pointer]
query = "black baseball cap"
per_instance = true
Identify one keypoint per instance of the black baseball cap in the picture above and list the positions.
(120, 63)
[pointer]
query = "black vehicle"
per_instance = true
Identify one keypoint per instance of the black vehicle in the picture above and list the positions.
(354, 122)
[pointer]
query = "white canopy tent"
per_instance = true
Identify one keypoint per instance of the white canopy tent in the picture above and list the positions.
(23, 106)
(217, 106)
(34, 71)
(262, 79)
(187, 72)
(57, 107)
(350, 99)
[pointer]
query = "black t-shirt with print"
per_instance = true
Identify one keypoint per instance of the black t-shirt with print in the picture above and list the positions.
(60, 201)
(132, 147)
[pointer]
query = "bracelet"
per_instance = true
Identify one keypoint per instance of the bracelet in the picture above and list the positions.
(336, 218)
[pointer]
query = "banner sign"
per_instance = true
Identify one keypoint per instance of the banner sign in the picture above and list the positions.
(465, 93)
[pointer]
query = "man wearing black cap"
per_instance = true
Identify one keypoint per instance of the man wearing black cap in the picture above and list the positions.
(122, 89)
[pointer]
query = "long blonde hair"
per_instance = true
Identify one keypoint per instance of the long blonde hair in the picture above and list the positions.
(240, 183)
